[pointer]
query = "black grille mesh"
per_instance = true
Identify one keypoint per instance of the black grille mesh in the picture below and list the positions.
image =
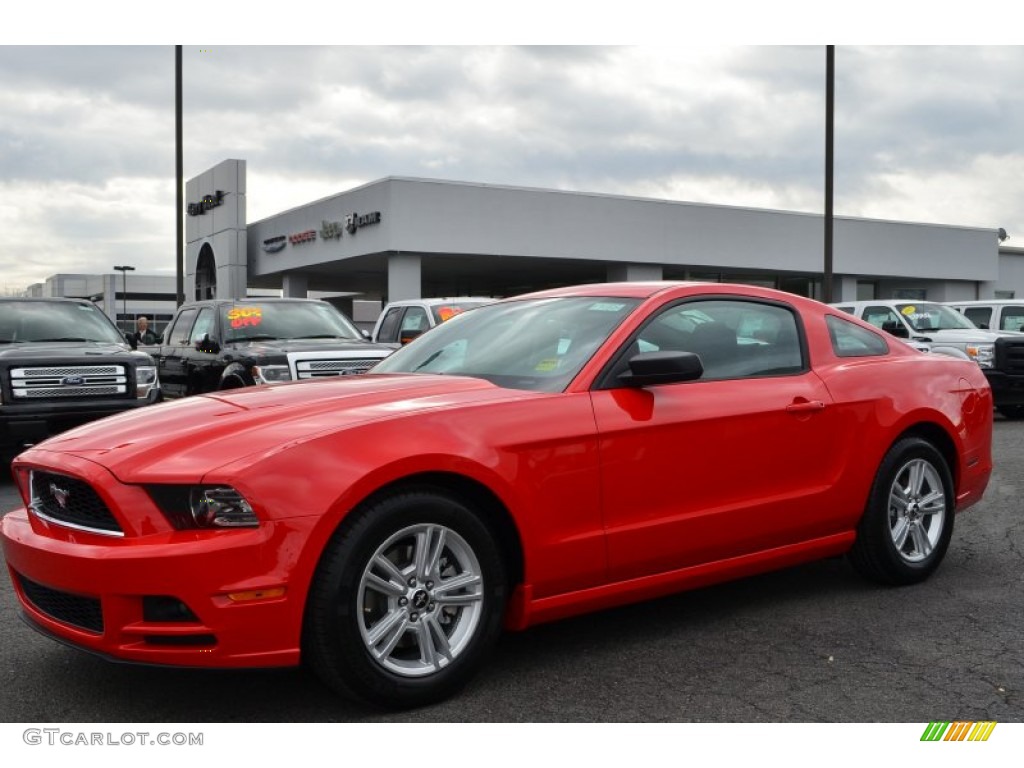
(69, 500)
(1010, 355)
(76, 610)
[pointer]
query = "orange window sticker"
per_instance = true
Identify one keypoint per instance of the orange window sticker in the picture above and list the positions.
(447, 313)
(242, 317)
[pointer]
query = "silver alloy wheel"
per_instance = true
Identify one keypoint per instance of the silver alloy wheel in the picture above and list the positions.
(420, 600)
(917, 510)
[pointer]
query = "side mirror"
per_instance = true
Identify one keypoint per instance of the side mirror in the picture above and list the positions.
(896, 328)
(206, 344)
(406, 336)
(132, 339)
(648, 368)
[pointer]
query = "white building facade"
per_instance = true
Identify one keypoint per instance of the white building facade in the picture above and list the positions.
(400, 238)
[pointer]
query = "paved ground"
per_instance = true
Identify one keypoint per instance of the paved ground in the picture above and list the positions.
(814, 643)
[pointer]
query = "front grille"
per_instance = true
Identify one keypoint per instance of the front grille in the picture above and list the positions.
(1010, 355)
(69, 381)
(76, 610)
(71, 501)
(309, 369)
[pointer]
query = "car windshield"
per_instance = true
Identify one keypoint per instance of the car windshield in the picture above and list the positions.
(40, 321)
(933, 317)
(285, 320)
(535, 344)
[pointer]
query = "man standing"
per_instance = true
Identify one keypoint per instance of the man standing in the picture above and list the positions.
(143, 335)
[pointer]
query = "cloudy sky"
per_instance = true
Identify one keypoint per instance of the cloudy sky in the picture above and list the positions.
(929, 134)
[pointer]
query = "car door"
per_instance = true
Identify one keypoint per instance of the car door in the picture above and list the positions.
(735, 462)
(203, 366)
(171, 358)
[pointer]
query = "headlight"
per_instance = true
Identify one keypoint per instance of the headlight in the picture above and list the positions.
(221, 507)
(982, 354)
(145, 380)
(271, 374)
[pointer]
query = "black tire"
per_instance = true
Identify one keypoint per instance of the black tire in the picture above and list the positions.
(1012, 411)
(895, 513)
(440, 633)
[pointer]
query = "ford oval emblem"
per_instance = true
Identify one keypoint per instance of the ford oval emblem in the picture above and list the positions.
(73, 381)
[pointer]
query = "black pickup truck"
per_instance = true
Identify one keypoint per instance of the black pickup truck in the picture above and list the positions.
(63, 363)
(229, 343)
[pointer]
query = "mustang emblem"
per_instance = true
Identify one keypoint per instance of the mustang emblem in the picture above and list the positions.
(60, 495)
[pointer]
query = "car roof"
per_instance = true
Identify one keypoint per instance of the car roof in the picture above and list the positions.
(985, 303)
(439, 300)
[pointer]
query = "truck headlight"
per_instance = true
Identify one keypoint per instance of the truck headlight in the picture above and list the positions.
(271, 374)
(983, 354)
(145, 381)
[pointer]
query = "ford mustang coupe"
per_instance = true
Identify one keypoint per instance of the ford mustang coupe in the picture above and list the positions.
(542, 456)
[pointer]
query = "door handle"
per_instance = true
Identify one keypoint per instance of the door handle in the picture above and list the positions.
(805, 406)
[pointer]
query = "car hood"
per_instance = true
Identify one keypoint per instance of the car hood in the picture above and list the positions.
(281, 347)
(43, 351)
(183, 440)
(964, 335)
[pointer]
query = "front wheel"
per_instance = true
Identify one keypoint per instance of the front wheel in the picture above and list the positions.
(406, 602)
(908, 523)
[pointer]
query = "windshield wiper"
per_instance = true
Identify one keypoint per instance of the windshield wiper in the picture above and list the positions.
(323, 336)
(257, 337)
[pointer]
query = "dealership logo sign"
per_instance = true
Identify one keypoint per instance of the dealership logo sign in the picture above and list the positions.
(356, 221)
(302, 237)
(275, 244)
(206, 203)
(331, 230)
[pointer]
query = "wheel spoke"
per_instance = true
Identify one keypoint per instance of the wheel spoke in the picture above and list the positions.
(428, 653)
(462, 581)
(899, 532)
(373, 581)
(916, 480)
(422, 555)
(390, 569)
(933, 503)
(433, 562)
(387, 631)
(442, 639)
(921, 541)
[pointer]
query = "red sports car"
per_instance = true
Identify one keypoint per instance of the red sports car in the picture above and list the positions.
(538, 457)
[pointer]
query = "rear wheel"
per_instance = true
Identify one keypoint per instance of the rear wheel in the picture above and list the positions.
(908, 523)
(406, 602)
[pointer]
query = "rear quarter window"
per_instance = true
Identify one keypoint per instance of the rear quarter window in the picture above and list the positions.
(852, 340)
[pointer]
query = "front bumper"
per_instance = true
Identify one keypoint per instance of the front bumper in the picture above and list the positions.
(1007, 389)
(99, 593)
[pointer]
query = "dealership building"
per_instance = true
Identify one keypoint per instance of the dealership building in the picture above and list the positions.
(399, 238)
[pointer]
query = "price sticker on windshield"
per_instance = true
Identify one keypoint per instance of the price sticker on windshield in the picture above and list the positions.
(242, 317)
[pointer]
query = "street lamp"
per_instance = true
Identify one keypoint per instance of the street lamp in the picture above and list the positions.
(124, 270)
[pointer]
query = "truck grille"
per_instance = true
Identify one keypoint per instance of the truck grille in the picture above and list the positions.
(71, 502)
(76, 610)
(69, 381)
(1010, 355)
(309, 369)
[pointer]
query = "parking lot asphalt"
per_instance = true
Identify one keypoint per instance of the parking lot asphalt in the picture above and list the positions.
(813, 643)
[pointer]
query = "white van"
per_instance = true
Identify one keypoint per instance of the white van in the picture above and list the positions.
(994, 314)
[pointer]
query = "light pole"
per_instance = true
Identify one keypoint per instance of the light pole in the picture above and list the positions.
(124, 270)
